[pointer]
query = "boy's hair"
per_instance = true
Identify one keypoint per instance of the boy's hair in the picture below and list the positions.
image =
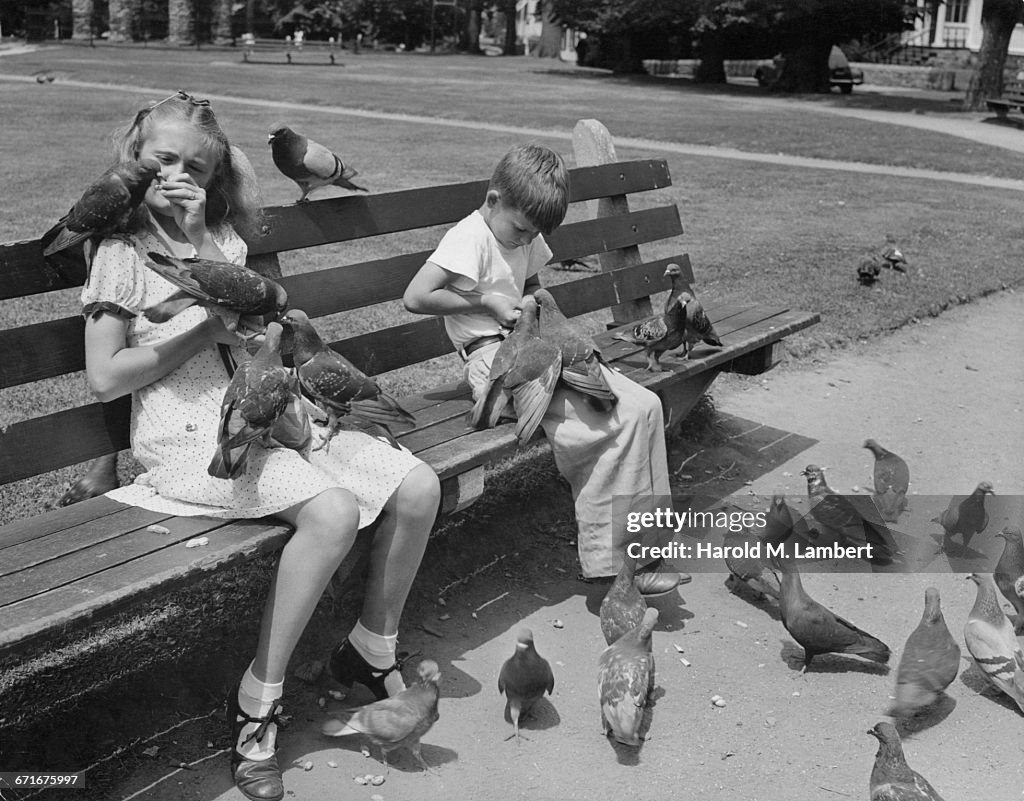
(233, 195)
(533, 180)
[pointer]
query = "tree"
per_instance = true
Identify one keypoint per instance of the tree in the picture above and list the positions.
(550, 44)
(998, 18)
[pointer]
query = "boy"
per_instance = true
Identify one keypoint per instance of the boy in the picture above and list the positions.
(476, 279)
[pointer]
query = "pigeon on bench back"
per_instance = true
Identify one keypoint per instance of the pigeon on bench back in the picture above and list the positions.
(308, 163)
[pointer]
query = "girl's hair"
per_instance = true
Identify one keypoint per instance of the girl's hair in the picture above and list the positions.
(533, 180)
(233, 195)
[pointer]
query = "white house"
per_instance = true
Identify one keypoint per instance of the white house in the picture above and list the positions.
(957, 26)
(529, 26)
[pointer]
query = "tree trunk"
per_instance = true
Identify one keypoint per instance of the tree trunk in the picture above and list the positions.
(471, 34)
(250, 16)
(508, 8)
(550, 44)
(805, 68)
(81, 19)
(711, 68)
(180, 22)
(998, 18)
(222, 33)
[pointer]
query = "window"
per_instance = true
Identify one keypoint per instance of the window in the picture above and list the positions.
(956, 10)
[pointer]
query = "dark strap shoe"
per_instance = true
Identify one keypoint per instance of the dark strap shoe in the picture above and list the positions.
(347, 667)
(258, 780)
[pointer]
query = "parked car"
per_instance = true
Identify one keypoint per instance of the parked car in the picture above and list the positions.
(841, 74)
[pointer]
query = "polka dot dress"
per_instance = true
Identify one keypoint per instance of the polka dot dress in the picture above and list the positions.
(175, 420)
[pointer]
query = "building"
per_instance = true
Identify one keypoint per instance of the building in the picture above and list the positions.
(955, 27)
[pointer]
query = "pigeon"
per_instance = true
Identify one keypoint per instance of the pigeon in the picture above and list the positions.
(870, 268)
(260, 392)
(308, 163)
(818, 630)
(698, 326)
(966, 518)
(930, 661)
(214, 284)
(847, 521)
(892, 480)
(992, 643)
(525, 370)
(524, 678)
(1009, 570)
(747, 570)
(399, 720)
(623, 606)
(626, 678)
(581, 360)
(666, 332)
(103, 209)
(892, 779)
(348, 396)
(779, 523)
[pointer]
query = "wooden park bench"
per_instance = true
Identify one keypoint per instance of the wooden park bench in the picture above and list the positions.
(69, 567)
(258, 51)
(1012, 98)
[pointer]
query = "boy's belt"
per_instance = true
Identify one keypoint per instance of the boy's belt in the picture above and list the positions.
(479, 342)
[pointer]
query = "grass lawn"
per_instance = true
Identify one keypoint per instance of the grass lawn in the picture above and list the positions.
(756, 232)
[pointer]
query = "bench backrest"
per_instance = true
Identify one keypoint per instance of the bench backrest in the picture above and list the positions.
(55, 347)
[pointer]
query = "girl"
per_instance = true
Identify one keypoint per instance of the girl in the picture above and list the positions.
(197, 206)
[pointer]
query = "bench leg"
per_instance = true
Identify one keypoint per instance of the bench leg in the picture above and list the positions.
(757, 361)
(462, 490)
(678, 399)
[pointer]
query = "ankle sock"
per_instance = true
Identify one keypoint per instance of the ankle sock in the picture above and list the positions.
(256, 698)
(379, 652)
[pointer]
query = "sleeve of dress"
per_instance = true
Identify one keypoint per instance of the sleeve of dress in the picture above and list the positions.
(459, 253)
(114, 284)
(231, 244)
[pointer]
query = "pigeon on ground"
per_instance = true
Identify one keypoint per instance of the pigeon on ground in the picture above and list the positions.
(308, 163)
(339, 388)
(525, 370)
(966, 518)
(103, 209)
(892, 779)
(747, 570)
(1009, 570)
(260, 392)
(845, 521)
(870, 268)
(666, 332)
(524, 678)
(930, 661)
(623, 606)
(626, 677)
(892, 480)
(399, 720)
(581, 360)
(818, 630)
(214, 284)
(992, 643)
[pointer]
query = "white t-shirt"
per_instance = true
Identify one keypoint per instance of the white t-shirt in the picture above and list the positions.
(480, 264)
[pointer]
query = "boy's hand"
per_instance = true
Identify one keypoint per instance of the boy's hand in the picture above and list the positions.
(501, 309)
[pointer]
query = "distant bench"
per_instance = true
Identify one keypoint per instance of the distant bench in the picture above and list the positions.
(260, 50)
(69, 567)
(1012, 98)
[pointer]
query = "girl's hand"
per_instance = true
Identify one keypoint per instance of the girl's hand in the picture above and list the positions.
(188, 205)
(222, 328)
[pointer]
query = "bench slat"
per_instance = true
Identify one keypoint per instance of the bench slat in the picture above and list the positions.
(56, 347)
(58, 519)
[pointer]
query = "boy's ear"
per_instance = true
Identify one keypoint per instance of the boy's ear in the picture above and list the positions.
(493, 198)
